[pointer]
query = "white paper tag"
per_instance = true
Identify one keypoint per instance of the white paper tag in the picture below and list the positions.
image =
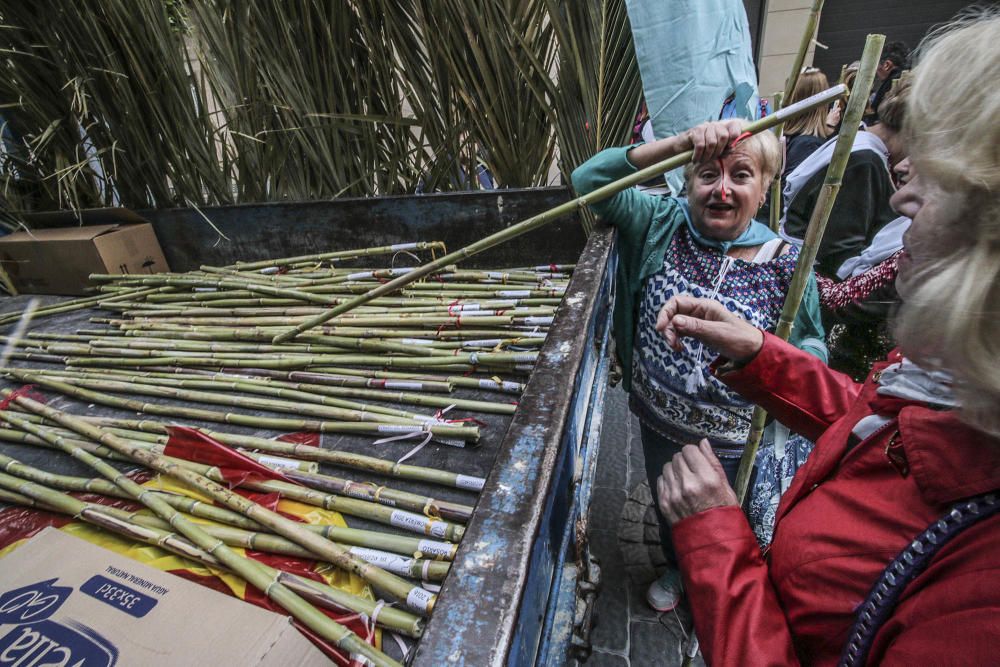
(361, 275)
(514, 293)
(387, 561)
(485, 342)
(538, 321)
(419, 599)
(403, 246)
(433, 548)
(402, 384)
(469, 482)
(438, 528)
(366, 493)
(415, 341)
(278, 462)
(398, 428)
(410, 521)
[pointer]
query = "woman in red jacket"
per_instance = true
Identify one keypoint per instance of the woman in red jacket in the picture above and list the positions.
(906, 470)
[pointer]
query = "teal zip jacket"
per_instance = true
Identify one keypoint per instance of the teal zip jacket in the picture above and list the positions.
(646, 224)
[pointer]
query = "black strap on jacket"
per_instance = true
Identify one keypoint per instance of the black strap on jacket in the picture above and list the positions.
(914, 559)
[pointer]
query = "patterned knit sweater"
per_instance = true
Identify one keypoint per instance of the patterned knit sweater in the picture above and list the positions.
(674, 392)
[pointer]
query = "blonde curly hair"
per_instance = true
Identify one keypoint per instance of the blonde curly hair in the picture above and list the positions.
(950, 318)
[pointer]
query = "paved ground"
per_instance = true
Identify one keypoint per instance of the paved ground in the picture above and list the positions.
(624, 538)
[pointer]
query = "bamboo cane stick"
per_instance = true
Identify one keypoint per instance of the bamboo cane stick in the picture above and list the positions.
(415, 568)
(460, 362)
(800, 56)
(187, 390)
(461, 433)
(817, 226)
(77, 304)
(318, 375)
(548, 216)
(316, 393)
(341, 254)
(312, 453)
(775, 211)
(437, 385)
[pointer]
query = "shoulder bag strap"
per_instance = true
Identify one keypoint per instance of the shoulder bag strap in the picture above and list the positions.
(914, 559)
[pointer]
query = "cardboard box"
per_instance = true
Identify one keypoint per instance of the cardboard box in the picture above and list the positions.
(59, 260)
(65, 601)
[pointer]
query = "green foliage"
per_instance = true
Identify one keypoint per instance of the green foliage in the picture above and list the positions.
(157, 103)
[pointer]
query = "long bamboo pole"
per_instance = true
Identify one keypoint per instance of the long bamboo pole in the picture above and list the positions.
(800, 55)
(313, 453)
(817, 226)
(546, 217)
(775, 211)
(458, 433)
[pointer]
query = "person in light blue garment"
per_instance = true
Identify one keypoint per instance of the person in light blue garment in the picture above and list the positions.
(705, 245)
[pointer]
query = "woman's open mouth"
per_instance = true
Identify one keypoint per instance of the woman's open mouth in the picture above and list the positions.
(720, 207)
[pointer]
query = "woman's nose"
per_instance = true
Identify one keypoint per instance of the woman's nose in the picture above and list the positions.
(722, 185)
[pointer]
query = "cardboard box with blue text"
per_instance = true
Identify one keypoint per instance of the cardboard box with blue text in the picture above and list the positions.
(65, 601)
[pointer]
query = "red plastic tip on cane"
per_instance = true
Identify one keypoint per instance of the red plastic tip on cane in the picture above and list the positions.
(740, 138)
(28, 391)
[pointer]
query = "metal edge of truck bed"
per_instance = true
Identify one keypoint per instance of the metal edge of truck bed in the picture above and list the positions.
(494, 601)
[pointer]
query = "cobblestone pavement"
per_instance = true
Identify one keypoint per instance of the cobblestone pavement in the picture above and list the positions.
(624, 537)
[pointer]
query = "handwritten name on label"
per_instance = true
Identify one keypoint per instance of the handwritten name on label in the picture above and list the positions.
(418, 523)
(278, 462)
(432, 548)
(419, 599)
(409, 521)
(391, 562)
(470, 482)
(114, 594)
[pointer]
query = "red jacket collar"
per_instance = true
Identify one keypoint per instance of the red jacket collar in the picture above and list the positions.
(949, 460)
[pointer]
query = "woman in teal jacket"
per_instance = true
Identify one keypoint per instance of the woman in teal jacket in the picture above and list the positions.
(706, 245)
